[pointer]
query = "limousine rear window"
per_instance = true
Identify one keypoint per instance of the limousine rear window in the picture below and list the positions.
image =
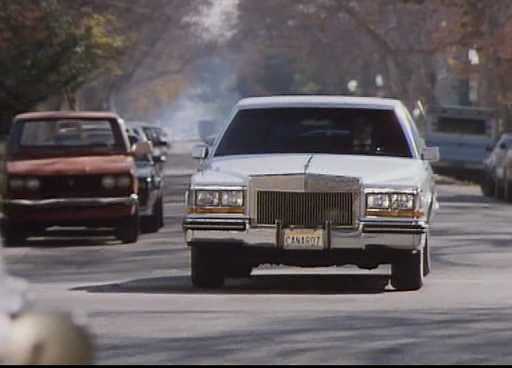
(344, 131)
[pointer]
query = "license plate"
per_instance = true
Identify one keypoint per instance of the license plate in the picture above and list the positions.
(306, 239)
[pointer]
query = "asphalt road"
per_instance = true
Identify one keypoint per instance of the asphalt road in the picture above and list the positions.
(142, 308)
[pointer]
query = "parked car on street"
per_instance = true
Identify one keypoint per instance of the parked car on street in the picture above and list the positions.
(151, 183)
(462, 134)
(70, 169)
(30, 336)
(313, 181)
(158, 137)
(494, 167)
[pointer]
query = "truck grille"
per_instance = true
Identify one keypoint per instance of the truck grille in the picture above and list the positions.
(306, 209)
(79, 186)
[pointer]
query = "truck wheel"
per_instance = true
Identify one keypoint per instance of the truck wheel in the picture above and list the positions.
(408, 271)
(153, 223)
(13, 236)
(160, 213)
(207, 268)
(128, 231)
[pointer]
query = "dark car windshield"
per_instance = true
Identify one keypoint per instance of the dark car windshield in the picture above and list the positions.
(67, 134)
(341, 131)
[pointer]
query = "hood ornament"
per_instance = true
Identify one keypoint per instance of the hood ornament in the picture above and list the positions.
(308, 163)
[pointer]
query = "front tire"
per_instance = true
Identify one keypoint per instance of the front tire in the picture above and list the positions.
(129, 230)
(13, 236)
(207, 268)
(407, 272)
(153, 223)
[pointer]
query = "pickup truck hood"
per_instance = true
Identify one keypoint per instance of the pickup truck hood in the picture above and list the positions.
(373, 171)
(86, 165)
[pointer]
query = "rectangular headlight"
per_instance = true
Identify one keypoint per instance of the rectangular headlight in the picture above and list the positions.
(378, 201)
(392, 205)
(207, 198)
(232, 199)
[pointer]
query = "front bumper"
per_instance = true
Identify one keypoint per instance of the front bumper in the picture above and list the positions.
(71, 202)
(69, 211)
(398, 235)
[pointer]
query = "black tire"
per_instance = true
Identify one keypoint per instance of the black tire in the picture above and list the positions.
(151, 224)
(427, 259)
(239, 271)
(128, 231)
(160, 213)
(13, 236)
(507, 187)
(207, 268)
(488, 186)
(407, 272)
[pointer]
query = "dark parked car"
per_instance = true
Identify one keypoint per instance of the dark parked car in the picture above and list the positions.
(492, 181)
(158, 137)
(151, 208)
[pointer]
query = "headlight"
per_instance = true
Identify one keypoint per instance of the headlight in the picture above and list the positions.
(33, 184)
(16, 184)
(108, 182)
(217, 201)
(392, 205)
(378, 201)
(206, 198)
(124, 182)
(232, 199)
(402, 201)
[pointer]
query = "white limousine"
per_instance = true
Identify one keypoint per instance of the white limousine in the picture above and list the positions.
(313, 181)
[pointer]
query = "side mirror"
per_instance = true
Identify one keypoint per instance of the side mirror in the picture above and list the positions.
(503, 146)
(200, 152)
(142, 149)
(431, 154)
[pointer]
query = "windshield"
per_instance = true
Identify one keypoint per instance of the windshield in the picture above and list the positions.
(461, 126)
(67, 134)
(315, 130)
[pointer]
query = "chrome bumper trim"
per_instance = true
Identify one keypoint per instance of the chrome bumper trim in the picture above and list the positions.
(395, 235)
(73, 202)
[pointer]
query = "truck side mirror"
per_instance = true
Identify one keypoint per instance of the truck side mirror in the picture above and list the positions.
(142, 149)
(200, 152)
(431, 154)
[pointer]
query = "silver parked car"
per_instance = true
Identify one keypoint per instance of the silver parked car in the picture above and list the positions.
(313, 181)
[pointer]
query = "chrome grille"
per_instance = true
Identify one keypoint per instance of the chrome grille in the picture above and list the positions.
(305, 208)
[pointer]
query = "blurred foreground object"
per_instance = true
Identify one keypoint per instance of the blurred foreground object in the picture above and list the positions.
(48, 338)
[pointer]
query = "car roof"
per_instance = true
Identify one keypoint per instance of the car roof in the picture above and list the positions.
(68, 115)
(319, 101)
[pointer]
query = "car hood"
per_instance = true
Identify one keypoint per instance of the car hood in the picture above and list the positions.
(86, 165)
(373, 171)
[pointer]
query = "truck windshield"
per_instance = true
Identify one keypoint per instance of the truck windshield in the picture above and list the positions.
(67, 134)
(341, 131)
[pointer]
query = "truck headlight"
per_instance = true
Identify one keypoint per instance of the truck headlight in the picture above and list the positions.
(16, 184)
(124, 181)
(108, 182)
(33, 184)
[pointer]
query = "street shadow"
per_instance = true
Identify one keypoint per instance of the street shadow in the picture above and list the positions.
(259, 284)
